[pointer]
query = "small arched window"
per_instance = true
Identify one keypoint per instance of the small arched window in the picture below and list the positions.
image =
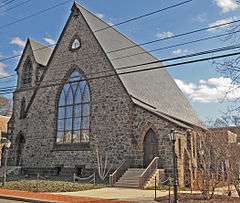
(74, 111)
(27, 72)
(23, 108)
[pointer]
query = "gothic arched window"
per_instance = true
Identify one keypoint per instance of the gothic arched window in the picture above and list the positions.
(74, 111)
(27, 72)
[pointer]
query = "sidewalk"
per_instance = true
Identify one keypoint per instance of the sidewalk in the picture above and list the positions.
(120, 194)
(46, 197)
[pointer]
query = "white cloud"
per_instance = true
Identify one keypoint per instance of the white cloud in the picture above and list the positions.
(17, 52)
(3, 73)
(211, 90)
(164, 34)
(49, 40)
(220, 22)
(180, 51)
(102, 16)
(201, 18)
(18, 41)
(227, 5)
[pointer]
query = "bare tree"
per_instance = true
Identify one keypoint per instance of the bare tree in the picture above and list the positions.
(103, 164)
(5, 106)
(210, 161)
(218, 162)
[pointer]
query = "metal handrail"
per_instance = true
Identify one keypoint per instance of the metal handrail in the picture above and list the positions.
(118, 172)
(148, 172)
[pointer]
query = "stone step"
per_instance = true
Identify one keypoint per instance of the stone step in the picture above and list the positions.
(128, 181)
(129, 178)
(126, 185)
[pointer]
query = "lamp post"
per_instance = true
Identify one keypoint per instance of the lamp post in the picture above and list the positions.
(172, 137)
(7, 145)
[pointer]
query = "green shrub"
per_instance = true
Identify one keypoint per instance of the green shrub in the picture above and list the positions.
(48, 186)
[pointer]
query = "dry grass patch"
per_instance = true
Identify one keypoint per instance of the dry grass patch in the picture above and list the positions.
(48, 186)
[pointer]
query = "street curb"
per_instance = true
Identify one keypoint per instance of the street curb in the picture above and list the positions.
(26, 199)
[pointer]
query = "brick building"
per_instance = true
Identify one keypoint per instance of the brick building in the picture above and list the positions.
(77, 97)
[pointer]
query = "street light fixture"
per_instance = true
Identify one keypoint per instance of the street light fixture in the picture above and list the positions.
(172, 137)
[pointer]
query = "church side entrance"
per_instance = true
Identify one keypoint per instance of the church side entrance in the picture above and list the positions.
(150, 147)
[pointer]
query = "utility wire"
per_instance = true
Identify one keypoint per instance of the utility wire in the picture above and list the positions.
(8, 76)
(211, 51)
(123, 22)
(7, 3)
(175, 36)
(144, 15)
(16, 6)
(139, 70)
(150, 42)
(34, 14)
(177, 45)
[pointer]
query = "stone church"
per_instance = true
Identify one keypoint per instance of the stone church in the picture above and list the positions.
(79, 97)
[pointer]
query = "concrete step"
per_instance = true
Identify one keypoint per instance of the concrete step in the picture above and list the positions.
(126, 185)
(128, 181)
(130, 178)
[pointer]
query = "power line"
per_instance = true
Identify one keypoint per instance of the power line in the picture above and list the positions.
(7, 3)
(8, 76)
(123, 22)
(141, 70)
(175, 36)
(150, 42)
(211, 51)
(16, 6)
(177, 45)
(34, 14)
(144, 15)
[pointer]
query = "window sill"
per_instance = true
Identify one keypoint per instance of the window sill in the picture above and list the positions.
(72, 147)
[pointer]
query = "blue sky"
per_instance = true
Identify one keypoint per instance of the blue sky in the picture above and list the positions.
(201, 83)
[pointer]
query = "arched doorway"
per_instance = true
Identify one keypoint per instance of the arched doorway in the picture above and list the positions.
(20, 141)
(150, 147)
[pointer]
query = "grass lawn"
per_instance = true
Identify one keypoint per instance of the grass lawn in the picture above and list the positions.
(48, 186)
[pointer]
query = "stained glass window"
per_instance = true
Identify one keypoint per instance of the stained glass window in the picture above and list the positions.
(74, 111)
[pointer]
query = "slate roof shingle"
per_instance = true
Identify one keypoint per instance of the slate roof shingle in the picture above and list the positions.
(156, 87)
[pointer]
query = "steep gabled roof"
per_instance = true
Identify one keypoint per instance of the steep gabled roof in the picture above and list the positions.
(155, 87)
(41, 52)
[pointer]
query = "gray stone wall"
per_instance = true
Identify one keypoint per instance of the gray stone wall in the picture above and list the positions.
(117, 125)
(110, 106)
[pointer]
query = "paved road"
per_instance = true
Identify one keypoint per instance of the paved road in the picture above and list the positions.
(10, 201)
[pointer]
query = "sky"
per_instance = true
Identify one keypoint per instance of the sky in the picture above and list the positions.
(204, 86)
